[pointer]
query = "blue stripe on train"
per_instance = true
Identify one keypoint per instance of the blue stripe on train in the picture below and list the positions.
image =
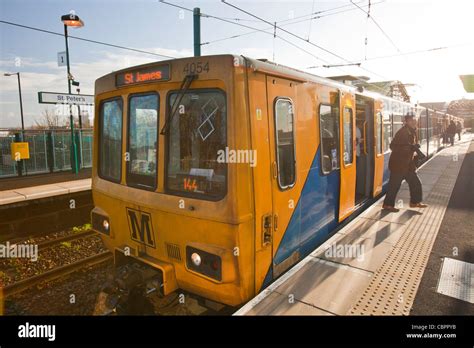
(315, 216)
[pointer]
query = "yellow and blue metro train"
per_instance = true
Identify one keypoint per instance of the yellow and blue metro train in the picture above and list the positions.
(218, 173)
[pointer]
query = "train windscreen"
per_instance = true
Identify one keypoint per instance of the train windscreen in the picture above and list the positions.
(197, 134)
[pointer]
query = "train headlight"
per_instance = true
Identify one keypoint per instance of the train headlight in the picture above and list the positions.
(204, 262)
(100, 223)
(196, 259)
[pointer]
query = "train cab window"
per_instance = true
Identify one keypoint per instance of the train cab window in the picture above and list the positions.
(285, 142)
(110, 139)
(142, 140)
(329, 128)
(348, 136)
(197, 137)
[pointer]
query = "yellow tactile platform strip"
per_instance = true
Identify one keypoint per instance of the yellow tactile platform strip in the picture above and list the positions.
(394, 285)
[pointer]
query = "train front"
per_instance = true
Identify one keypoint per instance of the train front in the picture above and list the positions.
(169, 205)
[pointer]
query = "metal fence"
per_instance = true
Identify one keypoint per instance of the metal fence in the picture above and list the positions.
(50, 151)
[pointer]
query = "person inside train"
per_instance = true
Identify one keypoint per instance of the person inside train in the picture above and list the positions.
(402, 166)
(358, 141)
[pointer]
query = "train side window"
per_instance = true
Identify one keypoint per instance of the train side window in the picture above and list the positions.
(285, 142)
(387, 127)
(329, 134)
(379, 126)
(110, 139)
(348, 136)
(142, 140)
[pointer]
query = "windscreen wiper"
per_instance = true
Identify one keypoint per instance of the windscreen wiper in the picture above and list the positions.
(182, 91)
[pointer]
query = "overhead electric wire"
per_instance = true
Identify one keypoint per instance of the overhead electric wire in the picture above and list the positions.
(86, 40)
(428, 50)
(311, 21)
(204, 15)
(366, 41)
(281, 38)
(377, 24)
(261, 30)
(319, 12)
(300, 38)
(256, 29)
(286, 31)
(283, 25)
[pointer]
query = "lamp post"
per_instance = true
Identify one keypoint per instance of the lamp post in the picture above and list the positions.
(71, 20)
(21, 102)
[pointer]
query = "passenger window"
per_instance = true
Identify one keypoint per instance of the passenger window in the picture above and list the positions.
(387, 127)
(285, 142)
(142, 140)
(110, 140)
(329, 133)
(379, 125)
(348, 136)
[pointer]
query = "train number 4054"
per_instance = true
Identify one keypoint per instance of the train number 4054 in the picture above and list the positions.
(196, 68)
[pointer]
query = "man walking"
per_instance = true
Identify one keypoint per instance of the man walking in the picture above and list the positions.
(402, 166)
(451, 132)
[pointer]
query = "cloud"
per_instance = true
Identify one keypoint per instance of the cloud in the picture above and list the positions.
(39, 76)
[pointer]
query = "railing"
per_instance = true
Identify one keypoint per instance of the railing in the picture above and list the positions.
(50, 151)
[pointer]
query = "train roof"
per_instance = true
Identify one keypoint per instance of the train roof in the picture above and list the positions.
(280, 70)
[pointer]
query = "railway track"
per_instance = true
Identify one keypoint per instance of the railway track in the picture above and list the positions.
(57, 272)
(70, 237)
(49, 242)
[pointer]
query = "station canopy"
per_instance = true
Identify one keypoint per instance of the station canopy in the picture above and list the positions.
(468, 82)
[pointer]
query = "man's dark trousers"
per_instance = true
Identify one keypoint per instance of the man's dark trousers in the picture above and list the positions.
(414, 183)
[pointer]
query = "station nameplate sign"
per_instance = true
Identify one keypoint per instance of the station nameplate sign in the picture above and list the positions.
(65, 98)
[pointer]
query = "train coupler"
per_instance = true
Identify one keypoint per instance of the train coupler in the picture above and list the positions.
(126, 292)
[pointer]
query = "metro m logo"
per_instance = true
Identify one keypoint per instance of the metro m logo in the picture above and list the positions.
(141, 227)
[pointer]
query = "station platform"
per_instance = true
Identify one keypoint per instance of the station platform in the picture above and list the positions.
(42, 191)
(375, 264)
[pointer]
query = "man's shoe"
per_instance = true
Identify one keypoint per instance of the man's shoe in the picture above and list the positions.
(390, 208)
(418, 205)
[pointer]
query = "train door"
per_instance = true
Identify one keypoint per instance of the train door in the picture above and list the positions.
(347, 155)
(378, 148)
(260, 119)
(364, 120)
(281, 105)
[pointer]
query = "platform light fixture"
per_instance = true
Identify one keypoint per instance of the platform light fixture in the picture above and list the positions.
(71, 20)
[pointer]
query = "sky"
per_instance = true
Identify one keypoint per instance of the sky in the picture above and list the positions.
(395, 30)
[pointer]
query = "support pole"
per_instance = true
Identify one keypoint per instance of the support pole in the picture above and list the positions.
(197, 31)
(21, 108)
(74, 164)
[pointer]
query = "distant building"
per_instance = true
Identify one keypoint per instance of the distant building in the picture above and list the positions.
(394, 89)
(463, 108)
(438, 106)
